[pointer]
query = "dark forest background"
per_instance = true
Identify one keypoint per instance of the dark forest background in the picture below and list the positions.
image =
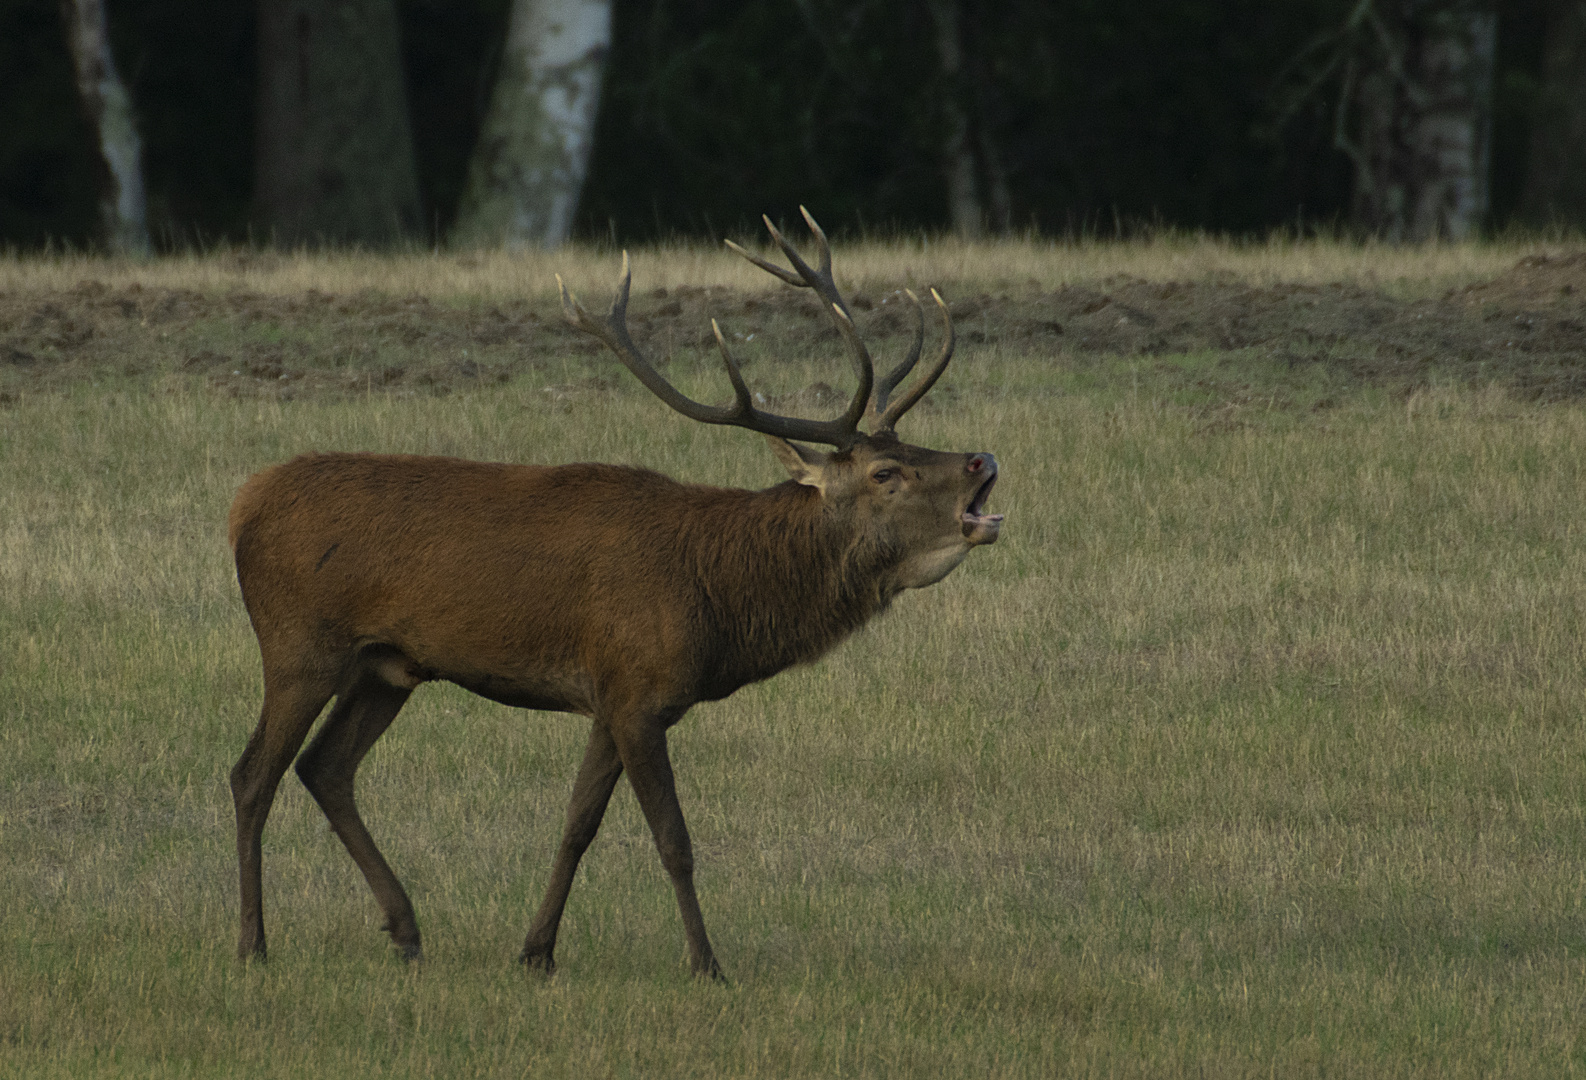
(1124, 114)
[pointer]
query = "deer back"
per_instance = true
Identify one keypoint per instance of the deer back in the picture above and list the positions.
(544, 586)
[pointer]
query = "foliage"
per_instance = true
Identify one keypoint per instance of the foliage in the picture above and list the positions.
(1141, 112)
(49, 168)
(1107, 115)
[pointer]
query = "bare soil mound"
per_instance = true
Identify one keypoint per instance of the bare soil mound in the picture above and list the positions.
(1525, 328)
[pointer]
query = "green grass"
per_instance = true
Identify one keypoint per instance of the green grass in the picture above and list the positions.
(1252, 749)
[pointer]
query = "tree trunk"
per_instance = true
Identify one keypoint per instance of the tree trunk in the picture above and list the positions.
(533, 151)
(958, 149)
(999, 195)
(334, 150)
(1555, 183)
(123, 206)
(1425, 115)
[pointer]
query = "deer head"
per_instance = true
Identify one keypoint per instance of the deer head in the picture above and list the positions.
(923, 508)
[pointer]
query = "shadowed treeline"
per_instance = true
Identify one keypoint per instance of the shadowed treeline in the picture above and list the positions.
(1082, 117)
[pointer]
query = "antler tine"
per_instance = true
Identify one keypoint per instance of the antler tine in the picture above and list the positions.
(820, 280)
(885, 386)
(821, 245)
(895, 411)
(769, 267)
(613, 330)
(825, 286)
(734, 376)
(850, 333)
(801, 276)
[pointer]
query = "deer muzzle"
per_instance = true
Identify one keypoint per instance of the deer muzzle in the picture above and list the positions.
(979, 526)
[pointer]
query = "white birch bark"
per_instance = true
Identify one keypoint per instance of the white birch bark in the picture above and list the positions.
(1449, 143)
(123, 207)
(533, 151)
(1425, 119)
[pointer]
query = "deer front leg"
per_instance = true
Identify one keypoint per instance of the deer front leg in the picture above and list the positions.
(643, 750)
(597, 776)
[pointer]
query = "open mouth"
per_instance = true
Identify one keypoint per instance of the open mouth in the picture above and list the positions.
(977, 524)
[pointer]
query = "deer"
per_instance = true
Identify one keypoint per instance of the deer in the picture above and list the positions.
(606, 591)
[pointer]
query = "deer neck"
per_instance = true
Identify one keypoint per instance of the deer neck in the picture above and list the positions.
(788, 583)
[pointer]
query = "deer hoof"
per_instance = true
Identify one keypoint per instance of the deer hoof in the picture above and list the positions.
(539, 960)
(712, 971)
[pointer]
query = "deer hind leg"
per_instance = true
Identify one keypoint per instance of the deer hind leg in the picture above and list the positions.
(362, 713)
(597, 776)
(643, 750)
(290, 706)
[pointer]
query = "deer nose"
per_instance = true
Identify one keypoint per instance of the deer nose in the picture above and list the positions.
(980, 462)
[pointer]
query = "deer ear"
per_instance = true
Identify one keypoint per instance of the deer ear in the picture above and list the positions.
(803, 463)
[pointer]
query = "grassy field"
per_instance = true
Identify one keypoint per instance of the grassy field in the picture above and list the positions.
(1253, 748)
(877, 264)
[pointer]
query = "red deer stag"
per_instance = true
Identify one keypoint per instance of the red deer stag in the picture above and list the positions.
(612, 592)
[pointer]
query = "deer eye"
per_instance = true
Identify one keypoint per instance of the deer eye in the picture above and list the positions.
(881, 476)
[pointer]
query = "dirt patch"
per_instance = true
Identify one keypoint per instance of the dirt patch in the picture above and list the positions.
(243, 342)
(1525, 328)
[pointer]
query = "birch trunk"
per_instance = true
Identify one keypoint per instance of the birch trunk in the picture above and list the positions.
(123, 206)
(1555, 184)
(334, 150)
(528, 167)
(1450, 141)
(1425, 110)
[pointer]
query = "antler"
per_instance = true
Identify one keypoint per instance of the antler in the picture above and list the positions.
(613, 330)
(821, 281)
(870, 399)
(882, 418)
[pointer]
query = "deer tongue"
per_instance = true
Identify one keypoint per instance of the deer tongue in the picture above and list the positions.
(981, 528)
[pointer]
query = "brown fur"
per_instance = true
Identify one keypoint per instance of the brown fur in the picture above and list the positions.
(612, 592)
(584, 569)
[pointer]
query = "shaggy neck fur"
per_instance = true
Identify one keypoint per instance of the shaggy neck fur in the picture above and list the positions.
(786, 578)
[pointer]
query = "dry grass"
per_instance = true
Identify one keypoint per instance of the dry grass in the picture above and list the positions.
(1013, 263)
(1252, 749)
